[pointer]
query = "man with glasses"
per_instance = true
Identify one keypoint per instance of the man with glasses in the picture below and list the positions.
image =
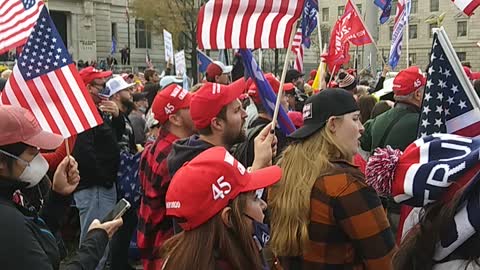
(98, 155)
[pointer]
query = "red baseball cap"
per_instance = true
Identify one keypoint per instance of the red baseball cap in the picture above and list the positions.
(313, 73)
(272, 80)
(209, 100)
(217, 68)
(89, 74)
(408, 81)
(289, 88)
(169, 101)
(297, 118)
(19, 125)
(206, 185)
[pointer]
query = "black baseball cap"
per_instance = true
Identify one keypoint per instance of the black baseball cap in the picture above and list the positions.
(292, 74)
(318, 108)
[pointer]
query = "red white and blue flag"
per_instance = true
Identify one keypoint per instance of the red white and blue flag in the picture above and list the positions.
(401, 19)
(242, 24)
(17, 18)
(46, 81)
(297, 49)
(265, 91)
(467, 6)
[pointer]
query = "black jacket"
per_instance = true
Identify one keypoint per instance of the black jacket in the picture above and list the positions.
(98, 153)
(185, 150)
(27, 238)
(151, 90)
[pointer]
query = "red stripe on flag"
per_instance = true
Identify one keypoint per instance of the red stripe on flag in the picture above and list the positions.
(261, 20)
(17, 22)
(290, 25)
(471, 7)
(9, 12)
(470, 131)
(3, 4)
(58, 104)
(244, 25)
(42, 106)
(217, 9)
(18, 94)
(16, 25)
(273, 40)
(229, 27)
(201, 15)
(86, 94)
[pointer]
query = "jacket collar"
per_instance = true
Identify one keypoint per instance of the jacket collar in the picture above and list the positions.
(8, 186)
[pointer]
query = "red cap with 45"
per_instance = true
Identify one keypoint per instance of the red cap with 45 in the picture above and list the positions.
(205, 185)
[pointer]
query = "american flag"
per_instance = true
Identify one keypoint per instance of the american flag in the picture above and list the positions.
(467, 6)
(17, 18)
(297, 48)
(46, 81)
(450, 105)
(254, 24)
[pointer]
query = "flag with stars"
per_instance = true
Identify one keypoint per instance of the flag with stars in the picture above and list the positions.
(450, 104)
(46, 81)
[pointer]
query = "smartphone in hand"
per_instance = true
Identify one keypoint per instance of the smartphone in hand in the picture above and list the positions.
(118, 211)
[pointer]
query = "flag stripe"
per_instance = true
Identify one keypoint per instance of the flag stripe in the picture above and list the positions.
(244, 26)
(467, 6)
(470, 131)
(261, 20)
(286, 24)
(215, 23)
(222, 22)
(253, 24)
(462, 121)
(268, 24)
(231, 17)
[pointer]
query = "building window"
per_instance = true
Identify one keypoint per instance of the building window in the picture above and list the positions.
(359, 7)
(414, 7)
(325, 35)
(143, 35)
(412, 31)
(325, 14)
(391, 32)
(461, 29)
(434, 5)
(462, 56)
(394, 7)
(412, 57)
(430, 29)
(341, 10)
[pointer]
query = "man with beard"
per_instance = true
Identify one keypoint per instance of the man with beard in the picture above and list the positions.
(219, 117)
(98, 155)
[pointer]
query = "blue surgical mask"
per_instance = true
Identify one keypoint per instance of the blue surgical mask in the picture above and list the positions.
(261, 232)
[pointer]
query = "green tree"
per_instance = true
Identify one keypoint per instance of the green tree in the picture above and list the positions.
(179, 17)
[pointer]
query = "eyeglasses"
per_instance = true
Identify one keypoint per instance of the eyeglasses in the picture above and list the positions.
(15, 157)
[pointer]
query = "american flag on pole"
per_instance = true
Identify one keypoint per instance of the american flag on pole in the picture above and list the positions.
(467, 6)
(253, 24)
(46, 81)
(17, 18)
(450, 104)
(297, 48)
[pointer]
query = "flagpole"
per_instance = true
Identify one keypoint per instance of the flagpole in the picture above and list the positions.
(332, 75)
(407, 36)
(284, 74)
(319, 30)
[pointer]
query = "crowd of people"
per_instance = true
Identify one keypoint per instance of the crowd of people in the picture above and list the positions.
(212, 184)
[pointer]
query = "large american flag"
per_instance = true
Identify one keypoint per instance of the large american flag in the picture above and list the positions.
(17, 18)
(253, 24)
(467, 6)
(46, 81)
(297, 48)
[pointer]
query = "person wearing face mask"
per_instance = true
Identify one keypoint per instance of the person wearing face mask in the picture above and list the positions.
(228, 233)
(137, 117)
(323, 214)
(28, 240)
(98, 155)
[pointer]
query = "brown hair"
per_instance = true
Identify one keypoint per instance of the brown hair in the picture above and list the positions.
(208, 130)
(202, 247)
(418, 248)
(366, 104)
(148, 74)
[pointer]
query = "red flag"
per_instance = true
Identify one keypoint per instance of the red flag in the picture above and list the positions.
(46, 81)
(17, 18)
(247, 24)
(349, 28)
(297, 48)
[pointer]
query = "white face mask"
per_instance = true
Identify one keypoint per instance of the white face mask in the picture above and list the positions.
(35, 171)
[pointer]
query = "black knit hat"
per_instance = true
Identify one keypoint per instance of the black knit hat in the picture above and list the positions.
(318, 108)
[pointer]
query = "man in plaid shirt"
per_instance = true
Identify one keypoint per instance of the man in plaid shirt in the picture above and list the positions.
(171, 108)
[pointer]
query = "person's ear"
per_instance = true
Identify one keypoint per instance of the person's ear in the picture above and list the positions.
(331, 125)
(175, 119)
(226, 216)
(217, 124)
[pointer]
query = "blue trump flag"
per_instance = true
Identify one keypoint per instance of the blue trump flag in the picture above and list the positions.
(265, 91)
(386, 7)
(203, 61)
(309, 21)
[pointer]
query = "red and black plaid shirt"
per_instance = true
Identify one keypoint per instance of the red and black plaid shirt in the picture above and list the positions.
(154, 227)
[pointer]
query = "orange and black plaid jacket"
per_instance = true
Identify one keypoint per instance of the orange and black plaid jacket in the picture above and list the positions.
(348, 226)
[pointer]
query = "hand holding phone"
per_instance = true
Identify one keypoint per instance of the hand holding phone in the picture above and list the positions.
(118, 211)
(110, 227)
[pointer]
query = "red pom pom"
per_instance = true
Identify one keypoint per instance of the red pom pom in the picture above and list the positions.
(381, 169)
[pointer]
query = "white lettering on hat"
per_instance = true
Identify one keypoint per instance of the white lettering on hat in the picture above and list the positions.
(173, 205)
(216, 88)
(221, 189)
(417, 83)
(169, 108)
(175, 91)
(230, 160)
(182, 95)
(307, 111)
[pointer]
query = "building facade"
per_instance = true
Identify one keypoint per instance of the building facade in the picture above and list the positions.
(90, 28)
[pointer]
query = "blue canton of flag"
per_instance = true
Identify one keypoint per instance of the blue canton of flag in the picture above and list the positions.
(265, 91)
(44, 51)
(386, 7)
(203, 61)
(29, 3)
(309, 21)
(446, 106)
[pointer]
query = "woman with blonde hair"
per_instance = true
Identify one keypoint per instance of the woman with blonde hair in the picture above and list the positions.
(323, 215)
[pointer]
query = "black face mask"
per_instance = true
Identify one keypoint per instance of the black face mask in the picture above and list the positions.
(261, 232)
